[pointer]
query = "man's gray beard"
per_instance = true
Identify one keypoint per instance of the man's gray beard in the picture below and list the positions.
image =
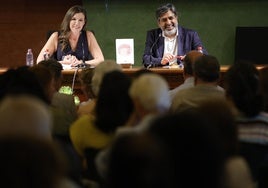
(172, 32)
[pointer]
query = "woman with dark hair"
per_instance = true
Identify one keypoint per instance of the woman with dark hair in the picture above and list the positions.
(74, 44)
(92, 133)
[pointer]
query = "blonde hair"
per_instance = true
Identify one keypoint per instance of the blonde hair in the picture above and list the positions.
(100, 70)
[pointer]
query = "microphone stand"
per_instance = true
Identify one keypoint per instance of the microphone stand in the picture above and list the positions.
(151, 51)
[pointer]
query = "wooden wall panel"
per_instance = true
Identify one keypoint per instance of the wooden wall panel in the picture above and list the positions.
(24, 24)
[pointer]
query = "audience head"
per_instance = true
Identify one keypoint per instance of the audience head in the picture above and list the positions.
(264, 86)
(55, 68)
(194, 148)
(242, 88)
(45, 78)
(138, 160)
(25, 115)
(30, 162)
(189, 61)
(218, 113)
(21, 81)
(85, 77)
(100, 70)
(114, 105)
(207, 68)
(150, 92)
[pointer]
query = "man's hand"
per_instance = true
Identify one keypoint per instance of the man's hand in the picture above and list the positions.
(167, 58)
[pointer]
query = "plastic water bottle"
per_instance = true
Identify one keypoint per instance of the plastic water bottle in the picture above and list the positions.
(29, 58)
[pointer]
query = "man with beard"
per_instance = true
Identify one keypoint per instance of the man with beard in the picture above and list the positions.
(168, 44)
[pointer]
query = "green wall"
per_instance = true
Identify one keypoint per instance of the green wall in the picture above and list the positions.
(214, 21)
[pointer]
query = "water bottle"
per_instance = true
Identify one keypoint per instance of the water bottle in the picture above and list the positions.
(29, 58)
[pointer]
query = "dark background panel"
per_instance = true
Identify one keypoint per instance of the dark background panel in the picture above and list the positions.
(251, 44)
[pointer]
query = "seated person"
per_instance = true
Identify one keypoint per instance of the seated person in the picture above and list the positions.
(242, 85)
(168, 44)
(73, 45)
(207, 74)
(91, 133)
(86, 107)
(188, 74)
(63, 108)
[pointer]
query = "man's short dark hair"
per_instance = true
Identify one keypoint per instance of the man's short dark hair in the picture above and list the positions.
(207, 68)
(54, 66)
(189, 61)
(164, 9)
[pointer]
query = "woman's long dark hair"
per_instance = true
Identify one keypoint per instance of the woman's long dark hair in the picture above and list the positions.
(65, 28)
(114, 105)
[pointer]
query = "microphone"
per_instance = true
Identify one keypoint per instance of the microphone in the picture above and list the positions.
(82, 65)
(151, 51)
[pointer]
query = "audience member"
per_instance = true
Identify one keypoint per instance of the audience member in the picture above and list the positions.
(220, 118)
(25, 115)
(45, 78)
(264, 86)
(188, 73)
(243, 92)
(150, 95)
(90, 134)
(63, 112)
(21, 81)
(138, 160)
(22, 98)
(195, 151)
(73, 44)
(85, 77)
(30, 162)
(63, 108)
(98, 73)
(207, 74)
(103, 68)
(168, 44)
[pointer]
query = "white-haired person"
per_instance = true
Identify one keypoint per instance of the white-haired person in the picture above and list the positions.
(150, 95)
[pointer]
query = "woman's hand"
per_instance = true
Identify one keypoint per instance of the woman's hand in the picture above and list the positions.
(71, 60)
(66, 59)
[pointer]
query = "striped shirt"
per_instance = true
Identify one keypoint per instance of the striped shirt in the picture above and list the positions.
(253, 130)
